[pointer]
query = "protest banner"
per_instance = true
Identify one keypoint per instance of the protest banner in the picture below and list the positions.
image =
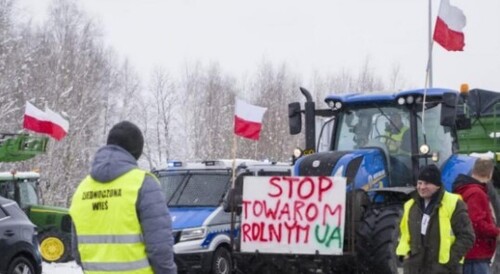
(299, 215)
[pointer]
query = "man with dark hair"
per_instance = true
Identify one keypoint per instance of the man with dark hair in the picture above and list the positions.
(121, 220)
(474, 191)
(436, 231)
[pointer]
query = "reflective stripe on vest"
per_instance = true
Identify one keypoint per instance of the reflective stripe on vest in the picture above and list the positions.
(108, 230)
(447, 238)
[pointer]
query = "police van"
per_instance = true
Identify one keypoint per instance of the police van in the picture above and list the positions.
(195, 193)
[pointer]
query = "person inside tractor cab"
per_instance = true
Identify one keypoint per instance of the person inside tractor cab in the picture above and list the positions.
(397, 135)
(397, 139)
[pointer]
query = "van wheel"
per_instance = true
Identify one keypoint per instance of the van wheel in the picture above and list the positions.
(21, 265)
(54, 247)
(221, 263)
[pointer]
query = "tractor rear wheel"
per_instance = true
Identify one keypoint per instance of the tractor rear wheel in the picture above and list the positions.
(377, 239)
(54, 247)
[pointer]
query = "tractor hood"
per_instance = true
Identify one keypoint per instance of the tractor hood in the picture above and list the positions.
(365, 168)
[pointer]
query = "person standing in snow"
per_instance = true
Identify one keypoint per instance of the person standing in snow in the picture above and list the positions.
(474, 191)
(436, 231)
(120, 215)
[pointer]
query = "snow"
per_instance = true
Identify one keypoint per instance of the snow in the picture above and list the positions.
(61, 268)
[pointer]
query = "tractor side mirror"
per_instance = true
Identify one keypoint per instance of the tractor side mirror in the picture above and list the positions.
(294, 118)
(449, 109)
(463, 122)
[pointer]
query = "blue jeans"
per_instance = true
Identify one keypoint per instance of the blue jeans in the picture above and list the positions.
(477, 268)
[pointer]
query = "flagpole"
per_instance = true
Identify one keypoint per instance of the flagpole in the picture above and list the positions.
(429, 61)
(232, 194)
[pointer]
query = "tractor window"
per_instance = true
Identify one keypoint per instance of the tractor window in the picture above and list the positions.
(382, 127)
(7, 190)
(438, 137)
(28, 194)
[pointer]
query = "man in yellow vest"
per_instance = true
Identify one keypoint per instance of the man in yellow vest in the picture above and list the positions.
(120, 216)
(435, 230)
(397, 135)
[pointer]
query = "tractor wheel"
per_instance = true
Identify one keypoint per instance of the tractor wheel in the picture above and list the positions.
(222, 263)
(377, 239)
(54, 247)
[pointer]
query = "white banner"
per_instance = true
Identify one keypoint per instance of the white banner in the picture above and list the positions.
(299, 215)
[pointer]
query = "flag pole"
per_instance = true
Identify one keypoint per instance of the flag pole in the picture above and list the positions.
(429, 61)
(232, 194)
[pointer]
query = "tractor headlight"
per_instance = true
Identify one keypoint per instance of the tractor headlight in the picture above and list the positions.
(192, 234)
(424, 149)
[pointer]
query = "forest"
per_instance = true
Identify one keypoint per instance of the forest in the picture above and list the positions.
(64, 64)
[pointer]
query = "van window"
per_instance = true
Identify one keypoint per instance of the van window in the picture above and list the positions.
(195, 189)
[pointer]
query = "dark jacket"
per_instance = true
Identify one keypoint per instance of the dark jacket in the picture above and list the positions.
(111, 162)
(424, 250)
(475, 195)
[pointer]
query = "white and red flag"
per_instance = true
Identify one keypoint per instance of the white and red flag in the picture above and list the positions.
(248, 119)
(46, 122)
(449, 24)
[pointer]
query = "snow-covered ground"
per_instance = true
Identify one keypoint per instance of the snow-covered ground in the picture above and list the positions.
(64, 268)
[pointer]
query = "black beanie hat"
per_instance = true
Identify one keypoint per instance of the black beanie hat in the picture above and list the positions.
(431, 174)
(128, 136)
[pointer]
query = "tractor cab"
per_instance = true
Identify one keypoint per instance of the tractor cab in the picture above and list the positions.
(390, 135)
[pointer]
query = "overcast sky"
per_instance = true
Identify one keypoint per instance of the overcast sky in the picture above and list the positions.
(321, 35)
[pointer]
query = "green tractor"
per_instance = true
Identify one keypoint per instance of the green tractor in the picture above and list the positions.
(483, 133)
(53, 223)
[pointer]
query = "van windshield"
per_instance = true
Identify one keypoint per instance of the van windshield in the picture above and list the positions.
(194, 188)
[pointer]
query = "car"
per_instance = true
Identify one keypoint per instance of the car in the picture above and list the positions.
(19, 248)
(201, 219)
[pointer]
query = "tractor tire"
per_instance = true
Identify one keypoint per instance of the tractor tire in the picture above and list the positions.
(54, 247)
(222, 263)
(377, 239)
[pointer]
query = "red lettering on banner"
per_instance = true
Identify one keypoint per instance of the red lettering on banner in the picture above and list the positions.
(311, 188)
(285, 211)
(246, 228)
(245, 204)
(297, 205)
(328, 210)
(324, 188)
(290, 181)
(257, 208)
(274, 181)
(315, 211)
(295, 228)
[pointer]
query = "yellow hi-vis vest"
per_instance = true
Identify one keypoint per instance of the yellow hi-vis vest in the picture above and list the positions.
(446, 236)
(395, 140)
(107, 227)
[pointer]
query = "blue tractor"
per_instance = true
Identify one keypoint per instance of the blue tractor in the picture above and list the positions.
(379, 142)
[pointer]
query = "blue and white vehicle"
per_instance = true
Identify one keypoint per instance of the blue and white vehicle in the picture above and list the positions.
(195, 193)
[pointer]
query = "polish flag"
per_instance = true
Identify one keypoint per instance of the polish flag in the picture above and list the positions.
(248, 119)
(46, 122)
(449, 24)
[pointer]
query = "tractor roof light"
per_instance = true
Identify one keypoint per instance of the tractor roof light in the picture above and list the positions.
(401, 101)
(464, 88)
(410, 99)
(297, 152)
(334, 105)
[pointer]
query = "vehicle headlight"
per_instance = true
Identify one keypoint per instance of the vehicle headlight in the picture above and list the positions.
(192, 234)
